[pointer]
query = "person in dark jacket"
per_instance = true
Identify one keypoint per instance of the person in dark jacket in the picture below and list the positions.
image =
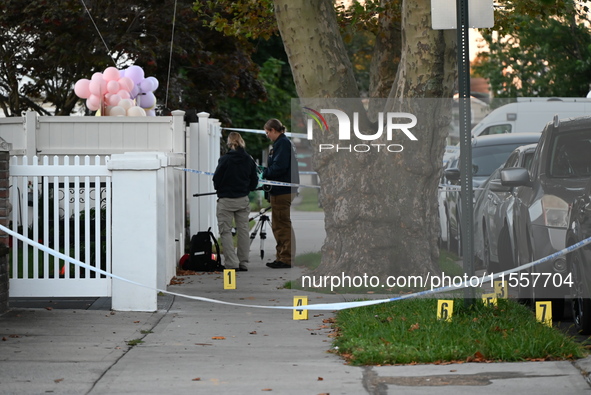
(281, 166)
(234, 177)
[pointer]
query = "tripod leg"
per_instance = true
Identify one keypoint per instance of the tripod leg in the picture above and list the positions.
(263, 237)
(254, 232)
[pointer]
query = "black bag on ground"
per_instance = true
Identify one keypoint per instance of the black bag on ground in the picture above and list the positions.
(201, 255)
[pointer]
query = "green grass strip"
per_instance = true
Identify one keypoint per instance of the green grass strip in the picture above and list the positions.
(408, 331)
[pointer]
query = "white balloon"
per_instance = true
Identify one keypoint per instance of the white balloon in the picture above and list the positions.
(136, 111)
(117, 111)
(126, 104)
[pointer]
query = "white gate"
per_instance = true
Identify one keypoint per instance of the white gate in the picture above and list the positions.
(64, 205)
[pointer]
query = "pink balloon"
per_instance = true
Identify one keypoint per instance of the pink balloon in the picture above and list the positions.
(124, 94)
(93, 103)
(136, 73)
(126, 83)
(94, 87)
(113, 86)
(111, 74)
(114, 100)
(97, 77)
(81, 88)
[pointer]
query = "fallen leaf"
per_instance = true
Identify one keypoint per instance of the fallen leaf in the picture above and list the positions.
(49, 308)
(218, 338)
(136, 322)
(58, 380)
(203, 344)
(14, 336)
(196, 379)
(266, 389)
(320, 378)
(478, 357)
(414, 327)
(252, 333)
(4, 339)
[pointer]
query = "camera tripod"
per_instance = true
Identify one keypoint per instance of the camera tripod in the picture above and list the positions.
(260, 227)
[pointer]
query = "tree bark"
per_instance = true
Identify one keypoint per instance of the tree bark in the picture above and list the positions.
(380, 207)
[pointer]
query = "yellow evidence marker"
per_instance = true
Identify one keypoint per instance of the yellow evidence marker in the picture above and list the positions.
(300, 314)
(445, 309)
(229, 279)
(544, 312)
(489, 299)
(501, 289)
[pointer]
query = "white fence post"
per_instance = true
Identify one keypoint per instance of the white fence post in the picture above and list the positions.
(202, 208)
(178, 131)
(135, 234)
(170, 216)
(30, 134)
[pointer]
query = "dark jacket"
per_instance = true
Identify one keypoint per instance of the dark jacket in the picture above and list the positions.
(235, 175)
(282, 165)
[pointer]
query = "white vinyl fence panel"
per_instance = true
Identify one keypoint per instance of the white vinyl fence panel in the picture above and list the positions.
(65, 205)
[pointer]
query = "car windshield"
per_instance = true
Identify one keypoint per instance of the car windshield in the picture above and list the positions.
(571, 155)
(487, 159)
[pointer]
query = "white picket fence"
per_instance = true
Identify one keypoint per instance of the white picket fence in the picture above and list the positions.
(134, 162)
(65, 206)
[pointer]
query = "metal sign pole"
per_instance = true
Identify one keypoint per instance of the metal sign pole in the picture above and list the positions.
(467, 237)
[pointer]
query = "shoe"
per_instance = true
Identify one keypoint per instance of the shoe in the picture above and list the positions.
(278, 265)
(242, 269)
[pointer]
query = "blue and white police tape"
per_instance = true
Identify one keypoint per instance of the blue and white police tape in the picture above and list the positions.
(264, 182)
(320, 306)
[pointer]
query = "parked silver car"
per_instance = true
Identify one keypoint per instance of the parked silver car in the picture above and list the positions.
(493, 215)
(488, 154)
(559, 173)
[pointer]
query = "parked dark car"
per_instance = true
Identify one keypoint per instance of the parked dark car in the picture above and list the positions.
(579, 261)
(488, 154)
(559, 172)
(493, 215)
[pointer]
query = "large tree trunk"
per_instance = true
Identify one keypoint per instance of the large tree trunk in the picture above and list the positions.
(380, 207)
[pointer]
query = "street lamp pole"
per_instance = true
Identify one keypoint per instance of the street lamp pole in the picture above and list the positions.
(465, 145)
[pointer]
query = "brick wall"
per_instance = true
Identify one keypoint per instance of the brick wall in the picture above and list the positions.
(4, 216)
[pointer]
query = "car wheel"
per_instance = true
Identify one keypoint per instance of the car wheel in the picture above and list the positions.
(505, 251)
(581, 306)
(557, 309)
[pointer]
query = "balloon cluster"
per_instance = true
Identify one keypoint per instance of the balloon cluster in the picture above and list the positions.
(119, 92)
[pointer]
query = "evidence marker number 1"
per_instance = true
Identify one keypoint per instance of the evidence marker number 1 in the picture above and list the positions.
(229, 279)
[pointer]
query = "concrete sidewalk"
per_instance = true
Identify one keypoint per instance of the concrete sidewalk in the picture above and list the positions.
(195, 347)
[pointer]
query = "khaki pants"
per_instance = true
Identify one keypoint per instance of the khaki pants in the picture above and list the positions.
(237, 209)
(282, 229)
